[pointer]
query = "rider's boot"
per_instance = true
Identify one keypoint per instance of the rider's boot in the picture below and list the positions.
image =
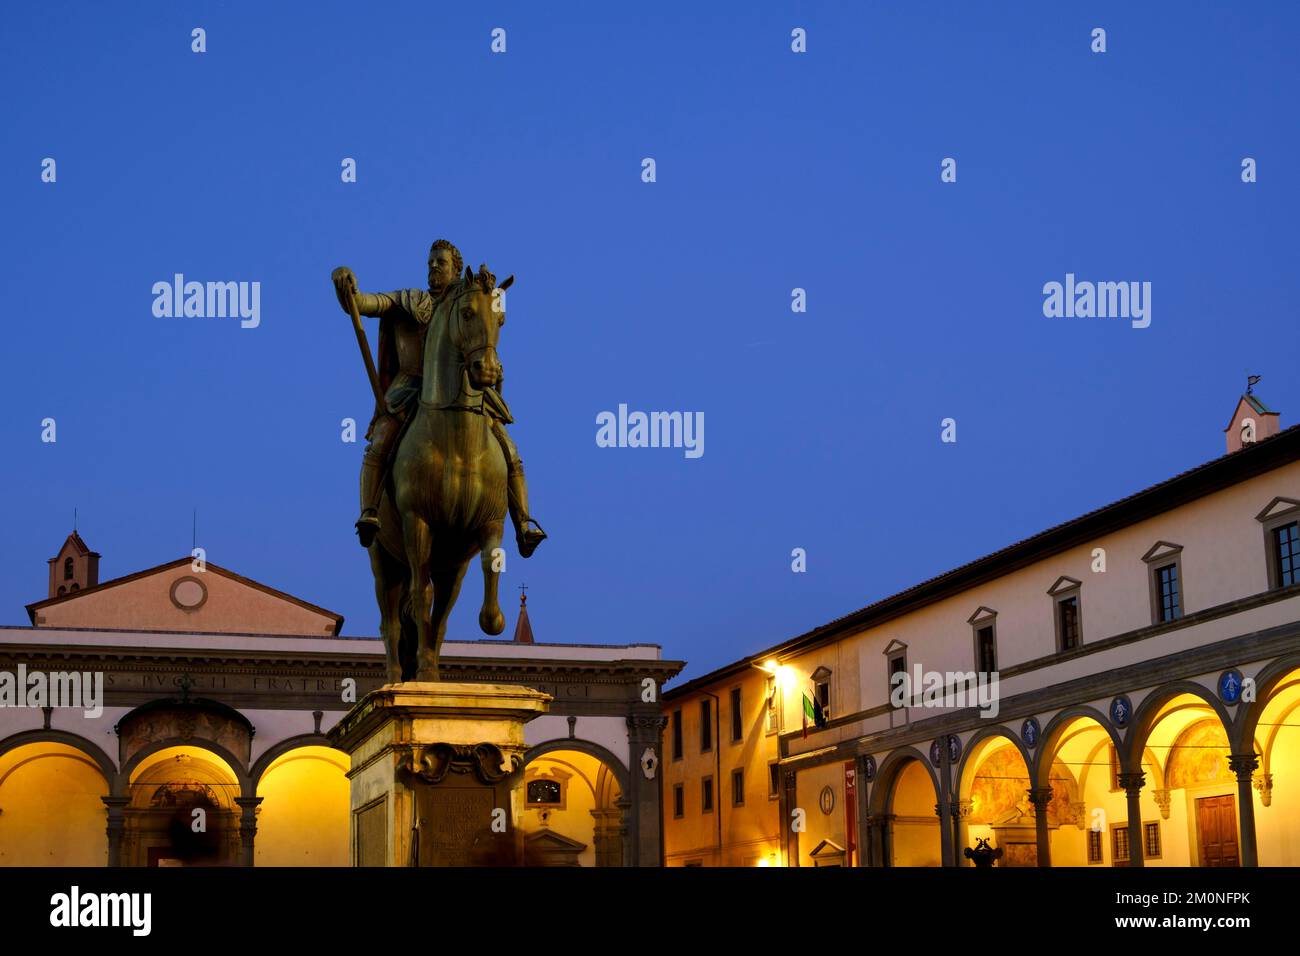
(527, 538)
(372, 487)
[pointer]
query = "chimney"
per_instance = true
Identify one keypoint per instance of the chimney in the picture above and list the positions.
(74, 568)
(523, 629)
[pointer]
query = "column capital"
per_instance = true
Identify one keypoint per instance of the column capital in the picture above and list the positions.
(1040, 797)
(641, 726)
(1243, 765)
(1133, 783)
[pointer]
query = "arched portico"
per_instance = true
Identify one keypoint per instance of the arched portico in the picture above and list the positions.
(53, 790)
(1179, 759)
(902, 818)
(573, 805)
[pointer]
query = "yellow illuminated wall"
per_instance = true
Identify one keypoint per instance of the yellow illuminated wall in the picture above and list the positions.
(748, 834)
(51, 813)
(586, 784)
(916, 838)
(304, 815)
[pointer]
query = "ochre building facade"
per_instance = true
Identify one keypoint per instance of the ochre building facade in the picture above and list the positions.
(1146, 710)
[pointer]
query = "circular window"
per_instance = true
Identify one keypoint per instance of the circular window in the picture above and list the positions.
(188, 594)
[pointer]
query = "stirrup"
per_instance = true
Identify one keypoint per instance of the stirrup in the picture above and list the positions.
(527, 538)
(367, 527)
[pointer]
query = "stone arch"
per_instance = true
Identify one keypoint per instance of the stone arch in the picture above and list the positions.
(588, 747)
(89, 748)
(979, 742)
(304, 808)
(53, 786)
(1147, 714)
(263, 763)
(236, 766)
(590, 825)
(1242, 734)
(905, 839)
(889, 769)
(1048, 743)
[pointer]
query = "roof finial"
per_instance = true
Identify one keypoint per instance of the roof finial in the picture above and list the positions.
(74, 520)
(1251, 382)
(523, 627)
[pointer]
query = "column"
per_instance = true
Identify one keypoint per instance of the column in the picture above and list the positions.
(644, 737)
(947, 851)
(247, 827)
(1244, 766)
(884, 839)
(116, 827)
(961, 829)
(943, 812)
(607, 835)
(863, 836)
(1132, 784)
(1041, 798)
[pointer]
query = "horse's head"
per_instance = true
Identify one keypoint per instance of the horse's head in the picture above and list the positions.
(479, 313)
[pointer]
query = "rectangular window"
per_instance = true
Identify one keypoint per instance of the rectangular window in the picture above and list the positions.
(897, 665)
(738, 788)
(677, 734)
(1114, 768)
(1119, 844)
(1067, 610)
(737, 716)
(1094, 846)
(1286, 552)
(1171, 607)
(823, 691)
(986, 660)
(706, 795)
(706, 725)
(773, 715)
(1151, 840)
(773, 780)
(679, 800)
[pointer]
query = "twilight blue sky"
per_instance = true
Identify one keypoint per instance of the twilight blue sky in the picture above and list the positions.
(775, 170)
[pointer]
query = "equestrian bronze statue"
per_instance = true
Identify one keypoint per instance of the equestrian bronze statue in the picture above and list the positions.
(440, 472)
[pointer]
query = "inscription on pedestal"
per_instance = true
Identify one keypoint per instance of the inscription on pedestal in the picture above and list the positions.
(456, 825)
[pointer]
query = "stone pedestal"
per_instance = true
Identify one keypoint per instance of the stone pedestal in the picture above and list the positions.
(435, 773)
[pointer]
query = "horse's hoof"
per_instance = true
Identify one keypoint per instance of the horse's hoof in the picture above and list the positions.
(427, 675)
(492, 623)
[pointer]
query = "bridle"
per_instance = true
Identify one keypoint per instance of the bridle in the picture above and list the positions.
(465, 356)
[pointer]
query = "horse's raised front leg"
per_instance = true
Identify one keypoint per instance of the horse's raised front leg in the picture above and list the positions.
(418, 541)
(446, 585)
(490, 618)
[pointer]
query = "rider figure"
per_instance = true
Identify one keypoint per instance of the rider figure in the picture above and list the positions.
(404, 318)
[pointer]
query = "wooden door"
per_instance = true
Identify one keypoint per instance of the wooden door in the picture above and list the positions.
(1216, 822)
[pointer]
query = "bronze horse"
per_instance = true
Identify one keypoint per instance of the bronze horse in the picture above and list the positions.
(445, 500)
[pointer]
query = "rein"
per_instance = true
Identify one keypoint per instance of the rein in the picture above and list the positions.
(463, 367)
